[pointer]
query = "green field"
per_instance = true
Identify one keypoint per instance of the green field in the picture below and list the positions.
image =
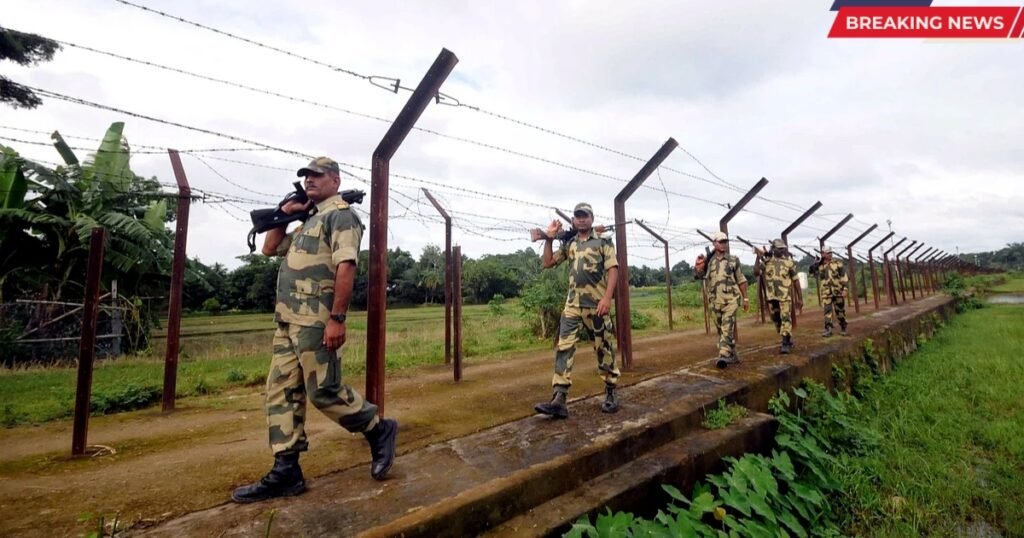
(232, 350)
(951, 454)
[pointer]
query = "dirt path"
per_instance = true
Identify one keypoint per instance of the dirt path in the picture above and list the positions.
(167, 465)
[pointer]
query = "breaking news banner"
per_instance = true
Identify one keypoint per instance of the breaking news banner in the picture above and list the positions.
(920, 19)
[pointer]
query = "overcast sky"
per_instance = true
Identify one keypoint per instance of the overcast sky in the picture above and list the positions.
(923, 133)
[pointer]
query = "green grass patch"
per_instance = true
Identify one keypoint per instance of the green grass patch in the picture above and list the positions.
(950, 419)
(719, 417)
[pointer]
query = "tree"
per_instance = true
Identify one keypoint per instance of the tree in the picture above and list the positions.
(23, 49)
(48, 215)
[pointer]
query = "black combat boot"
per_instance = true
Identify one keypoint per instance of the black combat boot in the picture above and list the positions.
(610, 404)
(284, 480)
(842, 328)
(828, 330)
(382, 438)
(725, 361)
(787, 345)
(556, 407)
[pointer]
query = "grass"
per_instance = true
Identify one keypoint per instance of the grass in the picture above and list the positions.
(951, 455)
(723, 415)
(1014, 284)
(232, 350)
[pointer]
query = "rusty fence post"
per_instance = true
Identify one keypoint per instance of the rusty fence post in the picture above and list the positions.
(762, 297)
(864, 277)
(911, 270)
(871, 265)
(87, 343)
(622, 318)
(457, 287)
(785, 239)
(852, 270)
(704, 285)
(177, 283)
(447, 275)
(900, 271)
(922, 263)
(668, 269)
(376, 311)
(890, 284)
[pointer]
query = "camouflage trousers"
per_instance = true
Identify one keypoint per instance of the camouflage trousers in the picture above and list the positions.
(780, 311)
(303, 368)
(724, 313)
(835, 309)
(602, 331)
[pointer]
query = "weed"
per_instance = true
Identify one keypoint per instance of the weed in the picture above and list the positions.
(235, 376)
(723, 415)
(127, 397)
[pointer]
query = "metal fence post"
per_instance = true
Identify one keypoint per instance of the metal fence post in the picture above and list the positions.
(785, 239)
(622, 318)
(87, 344)
(871, 265)
(889, 282)
(911, 269)
(668, 269)
(853, 274)
(447, 276)
(177, 283)
(900, 270)
(376, 315)
(457, 287)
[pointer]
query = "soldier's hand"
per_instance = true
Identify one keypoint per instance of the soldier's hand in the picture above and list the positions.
(599, 229)
(799, 305)
(746, 304)
(699, 264)
(603, 307)
(758, 251)
(296, 206)
(334, 335)
(554, 229)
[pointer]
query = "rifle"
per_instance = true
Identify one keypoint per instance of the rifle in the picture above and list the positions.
(273, 217)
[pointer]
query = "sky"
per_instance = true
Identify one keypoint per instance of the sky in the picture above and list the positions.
(918, 136)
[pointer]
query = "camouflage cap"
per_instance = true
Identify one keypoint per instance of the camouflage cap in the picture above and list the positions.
(320, 165)
(584, 207)
(778, 243)
(826, 249)
(719, 236)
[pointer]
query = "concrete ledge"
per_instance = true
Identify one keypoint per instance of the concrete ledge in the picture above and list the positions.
(468, 485)
(632, 486)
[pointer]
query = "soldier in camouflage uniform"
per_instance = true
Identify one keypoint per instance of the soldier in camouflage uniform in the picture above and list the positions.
(832, 281)
(314, 286)
(727, 288)
(779, 278)
(592, 278)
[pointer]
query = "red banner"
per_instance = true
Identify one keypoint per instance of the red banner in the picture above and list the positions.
(929, 22)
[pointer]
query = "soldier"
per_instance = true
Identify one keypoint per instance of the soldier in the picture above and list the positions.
(314, 286)
(592, 277)
(727, 287)
(779, 277)
(832, 281)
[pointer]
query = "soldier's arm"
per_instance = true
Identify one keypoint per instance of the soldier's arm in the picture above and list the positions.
(798, 294)
(274, 243)
(741, 279)
(552, 258)
(345, 233)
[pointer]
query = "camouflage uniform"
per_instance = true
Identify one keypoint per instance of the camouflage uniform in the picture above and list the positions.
(302, 366)
(833, 282)
(590, 261)
(779, 279)
(723, 277)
